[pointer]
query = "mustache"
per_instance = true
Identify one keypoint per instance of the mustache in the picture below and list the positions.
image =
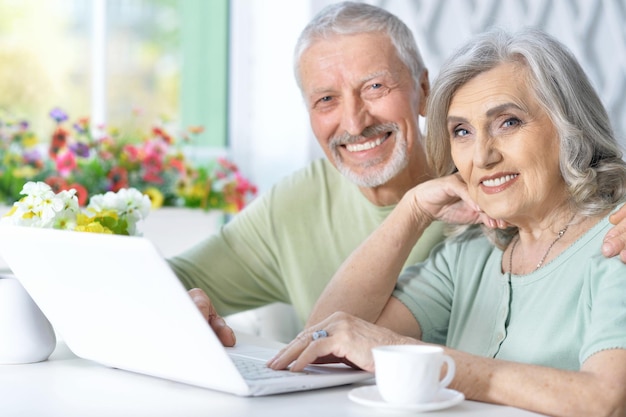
(370, 131)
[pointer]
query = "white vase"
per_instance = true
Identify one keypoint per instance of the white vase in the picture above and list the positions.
(26, 335)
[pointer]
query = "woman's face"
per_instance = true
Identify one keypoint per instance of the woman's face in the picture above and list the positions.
(505, 146)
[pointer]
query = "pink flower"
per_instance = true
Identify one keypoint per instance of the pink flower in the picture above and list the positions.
(152, 176)
(152, 163)
(131, 152)
(65, 163)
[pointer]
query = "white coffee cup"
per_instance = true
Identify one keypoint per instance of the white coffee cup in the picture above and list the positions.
(410, 374)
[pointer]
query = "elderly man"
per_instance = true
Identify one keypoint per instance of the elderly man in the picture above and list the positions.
(365, 86)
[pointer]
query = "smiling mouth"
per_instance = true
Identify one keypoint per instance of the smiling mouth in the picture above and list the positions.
(496, 182)
(365, 146)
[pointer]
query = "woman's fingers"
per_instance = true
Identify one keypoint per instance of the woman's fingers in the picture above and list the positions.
(345, 339)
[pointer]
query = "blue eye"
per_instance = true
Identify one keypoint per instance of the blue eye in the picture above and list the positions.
(376, 86)
(460, 132)
(513, 121)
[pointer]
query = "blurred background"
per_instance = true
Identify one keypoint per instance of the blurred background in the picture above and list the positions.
(227, 65)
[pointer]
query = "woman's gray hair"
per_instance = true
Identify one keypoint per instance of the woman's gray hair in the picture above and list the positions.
(590, 158)
(351, 18)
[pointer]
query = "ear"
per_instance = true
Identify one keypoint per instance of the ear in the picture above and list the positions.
(424, 90)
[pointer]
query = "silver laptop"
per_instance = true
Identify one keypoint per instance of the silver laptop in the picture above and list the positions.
(114, 300)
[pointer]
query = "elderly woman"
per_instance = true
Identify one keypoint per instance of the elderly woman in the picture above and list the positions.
(533, 315)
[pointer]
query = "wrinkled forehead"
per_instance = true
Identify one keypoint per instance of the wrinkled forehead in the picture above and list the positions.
(506, 77)
(502, 92)
(349, 47)
(358, 54)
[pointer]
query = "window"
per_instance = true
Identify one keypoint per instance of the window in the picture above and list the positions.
(117, 61)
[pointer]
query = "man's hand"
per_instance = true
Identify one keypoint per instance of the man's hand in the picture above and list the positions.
(217, 323)
(615, 239)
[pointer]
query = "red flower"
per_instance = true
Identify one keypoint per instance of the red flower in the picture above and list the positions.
(152, 176)
(131, 152)
(59, 184)
(196, 129)
(152, 162)
(227, 164)
(178, 164)
(118, 177)
(81, 193)
(157, 131)
(56, 183)
(59, 140)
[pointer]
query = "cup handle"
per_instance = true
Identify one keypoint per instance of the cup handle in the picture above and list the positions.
(449, 374)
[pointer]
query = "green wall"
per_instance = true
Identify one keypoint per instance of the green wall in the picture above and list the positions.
(204, 75)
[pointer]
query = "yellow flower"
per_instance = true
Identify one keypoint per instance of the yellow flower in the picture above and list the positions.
(30, 140)
(85, 223)
(231, 208)
(155, 196)
(25, 171)
(93, 227)
(11, 212)
(82, 219)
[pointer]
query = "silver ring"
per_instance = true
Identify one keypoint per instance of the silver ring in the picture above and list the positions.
(319, 334)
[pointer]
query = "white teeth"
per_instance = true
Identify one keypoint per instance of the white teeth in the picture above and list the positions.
(357, 147)
(498, 181)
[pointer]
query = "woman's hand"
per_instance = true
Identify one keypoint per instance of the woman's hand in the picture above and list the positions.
(447, 199)
(349, 340)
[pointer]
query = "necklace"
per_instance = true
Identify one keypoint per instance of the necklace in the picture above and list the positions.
(545, 255)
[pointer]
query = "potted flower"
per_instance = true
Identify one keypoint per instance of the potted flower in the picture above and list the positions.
(111, 213)
(27, 335)
(105, 159)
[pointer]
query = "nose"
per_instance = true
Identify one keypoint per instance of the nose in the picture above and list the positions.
(486, 153)
(355, 115)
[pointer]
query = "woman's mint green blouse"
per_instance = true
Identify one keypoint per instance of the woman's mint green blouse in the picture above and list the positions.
(557, 316)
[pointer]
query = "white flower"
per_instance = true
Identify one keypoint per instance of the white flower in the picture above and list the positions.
(49, 205)
(136, 204)
(36, 189)
(128, 203)
(41, 207)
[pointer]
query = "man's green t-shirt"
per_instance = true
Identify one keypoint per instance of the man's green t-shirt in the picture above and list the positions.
(287, 244)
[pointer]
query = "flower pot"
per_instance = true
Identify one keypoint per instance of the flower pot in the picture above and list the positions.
(26, 335)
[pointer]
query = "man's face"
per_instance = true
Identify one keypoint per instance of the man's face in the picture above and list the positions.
(363, 105)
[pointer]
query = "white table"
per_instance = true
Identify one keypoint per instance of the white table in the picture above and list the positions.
(67, 386)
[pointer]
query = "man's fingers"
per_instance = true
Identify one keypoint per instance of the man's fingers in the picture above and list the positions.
(619, 215)
(217, 323)
(223, 331)
(615, 239)
(202, 301)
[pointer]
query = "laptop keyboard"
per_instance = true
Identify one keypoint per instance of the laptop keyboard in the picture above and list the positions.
(253, 369)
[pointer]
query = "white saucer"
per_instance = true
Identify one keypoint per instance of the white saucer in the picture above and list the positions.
(370, 396)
